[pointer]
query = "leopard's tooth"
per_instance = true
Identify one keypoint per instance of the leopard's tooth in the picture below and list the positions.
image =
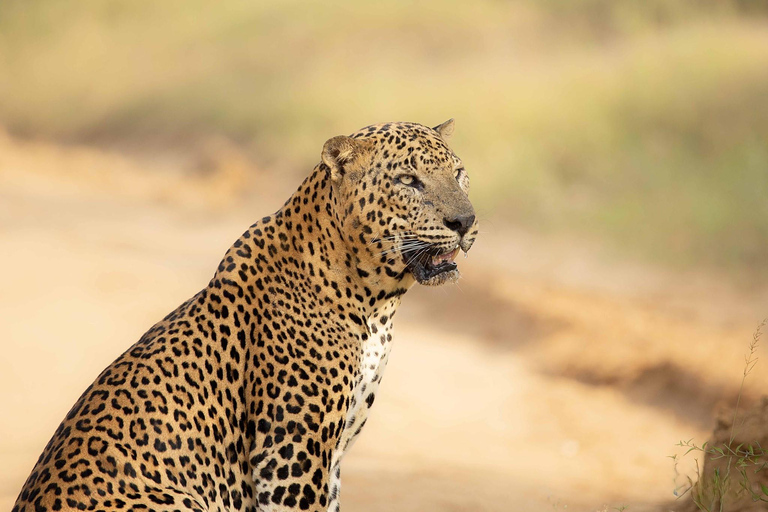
(442, 258)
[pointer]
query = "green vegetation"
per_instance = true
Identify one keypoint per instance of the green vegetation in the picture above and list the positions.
(733, 476)
(643, 122)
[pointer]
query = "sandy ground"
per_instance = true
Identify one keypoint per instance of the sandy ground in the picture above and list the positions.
(551, 378)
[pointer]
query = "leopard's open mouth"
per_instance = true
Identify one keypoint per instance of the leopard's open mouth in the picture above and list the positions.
(434, 267)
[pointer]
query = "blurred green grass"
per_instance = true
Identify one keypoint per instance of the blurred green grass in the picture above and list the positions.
(645, 123)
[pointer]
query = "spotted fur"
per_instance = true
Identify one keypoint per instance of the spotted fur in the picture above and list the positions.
(247, 396)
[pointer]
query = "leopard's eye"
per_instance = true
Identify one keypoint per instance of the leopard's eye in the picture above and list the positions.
(409, 180)
(459, 173)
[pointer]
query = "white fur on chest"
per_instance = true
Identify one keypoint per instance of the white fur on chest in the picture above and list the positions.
(374, 354)
(373, 361)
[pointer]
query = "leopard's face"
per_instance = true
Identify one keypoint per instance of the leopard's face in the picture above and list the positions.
(403, 200)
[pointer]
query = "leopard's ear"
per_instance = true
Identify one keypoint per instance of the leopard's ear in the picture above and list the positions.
(344, 155)
(445, 130)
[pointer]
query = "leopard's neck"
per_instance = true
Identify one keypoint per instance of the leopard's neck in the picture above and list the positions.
(301, 249)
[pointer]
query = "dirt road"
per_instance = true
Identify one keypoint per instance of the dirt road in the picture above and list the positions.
(550, 378)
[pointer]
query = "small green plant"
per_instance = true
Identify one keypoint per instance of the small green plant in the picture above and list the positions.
(731, 477)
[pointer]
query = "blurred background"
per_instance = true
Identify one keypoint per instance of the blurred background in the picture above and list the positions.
(618, 152)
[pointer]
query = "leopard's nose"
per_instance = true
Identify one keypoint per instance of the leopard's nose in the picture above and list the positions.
(460, 223)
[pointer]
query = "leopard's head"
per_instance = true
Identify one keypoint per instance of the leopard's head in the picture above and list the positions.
(401, 200)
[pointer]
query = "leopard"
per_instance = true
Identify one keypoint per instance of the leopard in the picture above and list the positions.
(248, 395)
